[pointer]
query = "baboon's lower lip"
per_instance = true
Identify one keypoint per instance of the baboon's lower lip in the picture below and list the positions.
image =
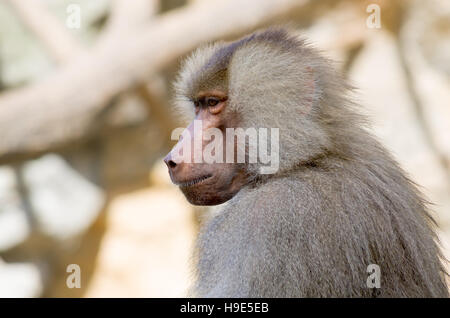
(193, 181)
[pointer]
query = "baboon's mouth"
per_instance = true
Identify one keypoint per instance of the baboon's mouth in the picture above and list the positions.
(193, 181)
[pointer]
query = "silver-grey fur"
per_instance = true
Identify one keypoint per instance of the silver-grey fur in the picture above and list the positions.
(339, 201)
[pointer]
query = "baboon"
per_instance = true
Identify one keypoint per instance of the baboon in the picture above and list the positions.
(338, 201)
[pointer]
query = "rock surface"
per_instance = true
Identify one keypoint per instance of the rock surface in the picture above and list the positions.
(20, 280)
(63, 203)
(14, 223)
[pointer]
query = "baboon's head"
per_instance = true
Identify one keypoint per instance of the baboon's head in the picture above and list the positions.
(266, 86)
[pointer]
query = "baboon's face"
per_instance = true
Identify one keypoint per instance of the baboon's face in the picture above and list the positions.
(206, 183)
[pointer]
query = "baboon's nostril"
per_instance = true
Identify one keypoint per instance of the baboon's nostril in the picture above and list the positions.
(171, 164)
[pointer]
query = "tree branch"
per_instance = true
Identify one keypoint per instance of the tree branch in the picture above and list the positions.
(60, 43)
(63, 106)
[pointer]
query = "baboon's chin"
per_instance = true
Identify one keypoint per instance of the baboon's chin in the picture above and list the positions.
(203, 195)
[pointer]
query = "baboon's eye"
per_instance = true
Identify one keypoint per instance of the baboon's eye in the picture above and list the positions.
(196, 103)
(211, 101)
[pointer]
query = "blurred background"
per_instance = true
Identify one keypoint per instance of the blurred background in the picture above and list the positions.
(85, 118)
